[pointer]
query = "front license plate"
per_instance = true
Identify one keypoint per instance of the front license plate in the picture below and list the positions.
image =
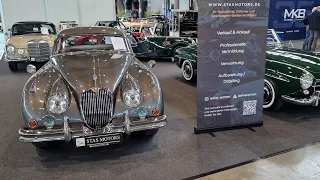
(97, 141)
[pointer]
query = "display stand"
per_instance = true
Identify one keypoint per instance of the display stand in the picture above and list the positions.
(250, 127)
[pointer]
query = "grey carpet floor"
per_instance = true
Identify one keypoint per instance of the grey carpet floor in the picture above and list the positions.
(174, 153)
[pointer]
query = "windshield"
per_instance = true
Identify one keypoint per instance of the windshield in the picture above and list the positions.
(112, 24)
(93, 42)
(33, 28)
(273, 40)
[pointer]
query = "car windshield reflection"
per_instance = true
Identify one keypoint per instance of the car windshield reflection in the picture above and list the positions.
(92, 42)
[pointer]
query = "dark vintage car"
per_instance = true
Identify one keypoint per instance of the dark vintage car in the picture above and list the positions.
(93, 96)
(159, 46)
(112, 24)
(291, 75)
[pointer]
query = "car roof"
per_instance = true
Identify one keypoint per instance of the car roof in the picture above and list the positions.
(90, 30)
(33, 22)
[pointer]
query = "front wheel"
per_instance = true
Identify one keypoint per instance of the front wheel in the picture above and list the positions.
(272, 98)
(188, 71)
(50, 145)
(13, 66)
(150, 132)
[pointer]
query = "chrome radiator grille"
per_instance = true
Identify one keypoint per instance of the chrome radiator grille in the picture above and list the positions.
(97, 107)
(39, 49)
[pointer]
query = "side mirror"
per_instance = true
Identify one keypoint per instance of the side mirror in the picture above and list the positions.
(31, 69)
(151, 63)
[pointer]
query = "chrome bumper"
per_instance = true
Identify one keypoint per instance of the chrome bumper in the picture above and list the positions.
(14, 59)
(313, 100)
(66, 134)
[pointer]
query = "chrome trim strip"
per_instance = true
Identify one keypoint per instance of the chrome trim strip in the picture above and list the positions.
(275, 77)
(313, 100)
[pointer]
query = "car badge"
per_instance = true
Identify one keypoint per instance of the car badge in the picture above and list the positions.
(94, 77)
(95, 89)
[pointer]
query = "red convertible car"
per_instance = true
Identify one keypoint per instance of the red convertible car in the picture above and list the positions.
(87, 39)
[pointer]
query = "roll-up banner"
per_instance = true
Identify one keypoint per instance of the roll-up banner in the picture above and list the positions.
(286, 17)
(231, 61)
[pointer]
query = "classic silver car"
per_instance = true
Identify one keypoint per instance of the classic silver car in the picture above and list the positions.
(92, 94)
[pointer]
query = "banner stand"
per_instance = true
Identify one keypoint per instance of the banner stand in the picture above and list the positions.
(231, 62)
(204, 131)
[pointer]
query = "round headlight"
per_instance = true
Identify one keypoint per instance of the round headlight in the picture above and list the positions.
(57, 104)
(20, 51)
(306, 80)
(132, 98)
(10, 49)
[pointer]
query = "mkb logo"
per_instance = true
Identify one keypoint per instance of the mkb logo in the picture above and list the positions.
(294, 14)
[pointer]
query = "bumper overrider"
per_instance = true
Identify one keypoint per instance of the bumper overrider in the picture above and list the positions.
(313, 100)
(67, 133)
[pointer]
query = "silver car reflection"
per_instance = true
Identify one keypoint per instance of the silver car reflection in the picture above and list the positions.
(93, 92)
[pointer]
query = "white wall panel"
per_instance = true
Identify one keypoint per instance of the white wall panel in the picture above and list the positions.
(184, 5)
(62, 10)
(92, 11)
(22, 10)
(85, 12)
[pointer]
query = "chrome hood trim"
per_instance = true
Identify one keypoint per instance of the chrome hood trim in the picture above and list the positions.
(85, 70)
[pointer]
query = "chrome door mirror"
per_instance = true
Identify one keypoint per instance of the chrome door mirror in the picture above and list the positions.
(151, 63)
(31, 69)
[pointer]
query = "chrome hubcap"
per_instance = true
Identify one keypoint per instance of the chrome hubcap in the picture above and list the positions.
(187, 71)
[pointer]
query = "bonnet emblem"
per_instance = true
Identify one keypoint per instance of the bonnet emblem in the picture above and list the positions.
(94, 77)
(95, 89)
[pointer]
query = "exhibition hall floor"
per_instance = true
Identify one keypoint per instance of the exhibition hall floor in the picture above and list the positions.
(174, 153)
(300, 164)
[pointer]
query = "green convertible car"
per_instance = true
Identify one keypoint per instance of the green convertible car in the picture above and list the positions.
(291, 75)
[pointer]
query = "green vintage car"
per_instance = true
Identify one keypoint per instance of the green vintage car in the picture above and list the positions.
(291, 75)
(158, 46)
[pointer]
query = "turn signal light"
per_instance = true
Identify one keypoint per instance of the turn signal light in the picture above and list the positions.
(32, 123)
(155, 111)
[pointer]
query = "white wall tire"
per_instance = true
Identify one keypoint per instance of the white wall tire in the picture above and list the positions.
(187, 70)
(269, 94)
(271, 99)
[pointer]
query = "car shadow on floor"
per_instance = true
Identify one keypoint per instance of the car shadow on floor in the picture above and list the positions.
(294, 113)
(181, 79)
(135, 144)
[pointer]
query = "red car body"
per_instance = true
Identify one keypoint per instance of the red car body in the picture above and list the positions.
(82, 40)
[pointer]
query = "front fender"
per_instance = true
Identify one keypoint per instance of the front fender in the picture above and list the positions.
(140, 76)
(285, 75)
(36, 92)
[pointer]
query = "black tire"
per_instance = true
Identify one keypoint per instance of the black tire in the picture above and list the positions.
(50, 145)
(85, 42)
(272, 98)
(39, 65)
(150, 132)
(188, 71)
(13, 66)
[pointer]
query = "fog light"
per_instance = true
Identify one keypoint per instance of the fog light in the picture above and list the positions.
(32, 123)
(142, 113)
(48, 121)
(155, 111)
(306, 92)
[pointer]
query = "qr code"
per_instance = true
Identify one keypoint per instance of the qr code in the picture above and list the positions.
(249, 107)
